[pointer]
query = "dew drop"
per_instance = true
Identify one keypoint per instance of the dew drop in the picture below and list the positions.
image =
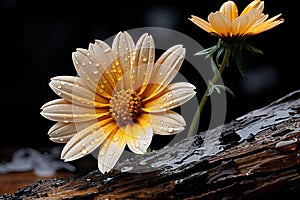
(115, 138)
(61, 139)
(137, 144)
(144, 59)
(84, 151)
(170, 129)
(66, 121)
(97, 64)
(160, 73)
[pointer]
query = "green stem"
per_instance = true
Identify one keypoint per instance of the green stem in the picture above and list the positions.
(205, 96)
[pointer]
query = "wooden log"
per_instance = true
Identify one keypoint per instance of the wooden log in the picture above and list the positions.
(254, 156)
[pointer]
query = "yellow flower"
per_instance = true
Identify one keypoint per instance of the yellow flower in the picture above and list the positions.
(121, 97)
(227, 23)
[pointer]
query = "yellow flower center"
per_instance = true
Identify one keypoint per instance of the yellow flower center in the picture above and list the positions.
(125, 106)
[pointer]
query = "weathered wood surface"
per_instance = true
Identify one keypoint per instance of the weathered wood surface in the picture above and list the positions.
(253, 157)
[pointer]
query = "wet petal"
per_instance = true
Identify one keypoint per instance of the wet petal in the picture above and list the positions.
(94, 66)
(62, 132)
(123, 46)
(139, 136)
(164, 70)
(111, 150)
(87, 140)
(174, 95)
(62, 111)
(165, 123)
(72, 89)
(144, 60)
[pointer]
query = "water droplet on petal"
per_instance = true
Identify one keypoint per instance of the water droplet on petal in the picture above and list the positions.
(84, 151)
(137, 144)
(170, 129)
(115, 138)
(144, 59)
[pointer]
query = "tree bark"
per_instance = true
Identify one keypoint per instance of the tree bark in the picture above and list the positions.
(254, 156)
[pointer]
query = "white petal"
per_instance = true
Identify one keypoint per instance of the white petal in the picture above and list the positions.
(87, 140)
(174, 95)
(62, 111)
(111, 150)
(72, 89)
(165, 69)
(144, 60)
(165, 123)
(62, 132)
(123, 46)
(95, 65)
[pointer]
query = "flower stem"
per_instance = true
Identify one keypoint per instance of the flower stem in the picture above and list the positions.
(205, 96)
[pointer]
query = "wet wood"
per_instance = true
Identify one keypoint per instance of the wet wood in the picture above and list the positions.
(255, 156)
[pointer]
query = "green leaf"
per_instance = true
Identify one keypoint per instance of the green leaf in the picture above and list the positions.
(205, 51)
(219, 53)
(252, 48)
(240, 63)
(227, 89)
(214, 66)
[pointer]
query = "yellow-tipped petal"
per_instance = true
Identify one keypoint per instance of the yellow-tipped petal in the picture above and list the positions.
(230, 10)
(202, 24)
(139, 136)
(253, 5)
(220, 23)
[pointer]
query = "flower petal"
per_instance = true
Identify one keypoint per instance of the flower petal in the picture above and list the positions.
(266, 25)
(220, 23)
(253, 5)
(62, 132)
(123, 46)
(164, 70)
(111, 150)
(144, 60)
(165, 123)
(62, 111)
(95, 65)
(230, 10)
(202, 24)
(87, 140)
(72, 89)
(174, 95)
(139, 136)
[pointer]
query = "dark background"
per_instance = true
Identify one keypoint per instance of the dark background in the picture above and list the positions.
(39, 37)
